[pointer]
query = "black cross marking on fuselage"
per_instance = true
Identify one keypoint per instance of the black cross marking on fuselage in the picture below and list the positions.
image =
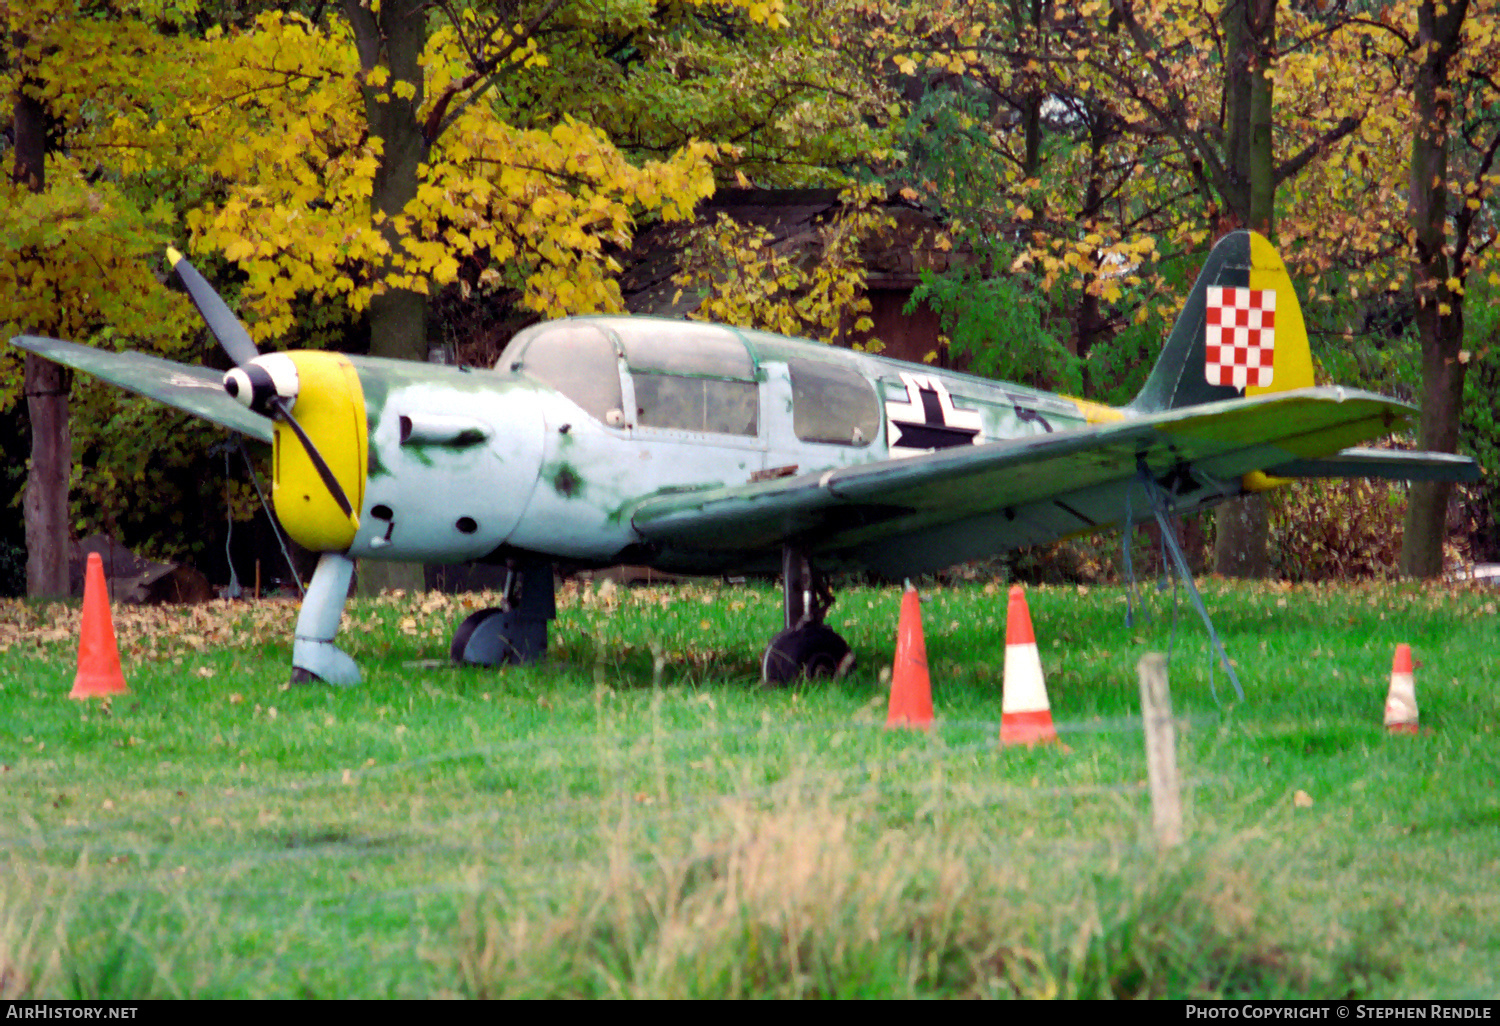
(934, 432)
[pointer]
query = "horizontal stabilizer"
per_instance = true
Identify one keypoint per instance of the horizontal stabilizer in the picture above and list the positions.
(1389, 464)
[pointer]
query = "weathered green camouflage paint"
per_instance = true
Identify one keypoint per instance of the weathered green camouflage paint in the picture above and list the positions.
(447, 500)
(565, 480)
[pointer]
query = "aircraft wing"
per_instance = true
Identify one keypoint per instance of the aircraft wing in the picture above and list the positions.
(906, 516)
(196, 390)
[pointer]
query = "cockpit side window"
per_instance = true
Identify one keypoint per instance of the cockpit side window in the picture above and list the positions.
(697, 404)
(832, 403)
(578, 360)
(691, 377)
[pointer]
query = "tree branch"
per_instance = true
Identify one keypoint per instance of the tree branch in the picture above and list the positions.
(1175, 119)
(1316, 148)
(482, 78)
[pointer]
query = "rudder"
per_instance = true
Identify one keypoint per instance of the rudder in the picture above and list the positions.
(1239, 333)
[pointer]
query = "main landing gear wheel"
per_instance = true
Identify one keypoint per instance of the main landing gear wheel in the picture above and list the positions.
(812, 650)
(495, 637)
(806, 647)
(515, 632)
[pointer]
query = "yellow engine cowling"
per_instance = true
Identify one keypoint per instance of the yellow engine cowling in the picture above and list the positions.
(330, 407)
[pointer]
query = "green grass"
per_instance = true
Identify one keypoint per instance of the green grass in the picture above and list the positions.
(637, 818)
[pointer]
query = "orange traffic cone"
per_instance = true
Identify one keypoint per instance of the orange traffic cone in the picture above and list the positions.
(98, 656)
(1025, 717)
(911, 688)
(1401, 700)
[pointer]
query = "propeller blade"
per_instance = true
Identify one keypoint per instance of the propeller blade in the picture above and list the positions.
(225, 326)
(332, 483)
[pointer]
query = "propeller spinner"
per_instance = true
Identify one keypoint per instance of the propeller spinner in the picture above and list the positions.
(266, 384)
(262, 382)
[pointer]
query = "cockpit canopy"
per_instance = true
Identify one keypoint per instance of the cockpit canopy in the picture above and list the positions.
(656, 374)
(684, 375)
(574, 357)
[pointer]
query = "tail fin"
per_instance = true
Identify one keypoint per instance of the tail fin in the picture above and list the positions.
(1240, 332)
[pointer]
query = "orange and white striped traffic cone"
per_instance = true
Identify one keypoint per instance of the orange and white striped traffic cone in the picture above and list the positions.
(911, 687)
(1025, 717)
(1401, 699)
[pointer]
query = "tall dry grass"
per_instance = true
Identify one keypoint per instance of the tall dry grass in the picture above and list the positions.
(811, 900)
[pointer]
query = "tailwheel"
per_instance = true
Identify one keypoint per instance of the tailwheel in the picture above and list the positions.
(812, 650)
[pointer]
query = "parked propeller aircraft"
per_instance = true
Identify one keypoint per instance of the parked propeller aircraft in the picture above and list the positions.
(703, 448)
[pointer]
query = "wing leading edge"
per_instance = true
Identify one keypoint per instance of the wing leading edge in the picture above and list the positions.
(914, 515)
(195, 390)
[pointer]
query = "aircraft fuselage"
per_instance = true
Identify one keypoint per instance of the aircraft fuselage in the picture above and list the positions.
(584, 418)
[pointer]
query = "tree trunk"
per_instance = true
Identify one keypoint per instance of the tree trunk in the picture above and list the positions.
(1238, 69)
(51, 464)
(1031, 104)
(1440, 312)
(1090, 321)
(394, 39)
(45, 506)
(1261, 155)
(1442, 404)
(1240, 529)
(1243, 525)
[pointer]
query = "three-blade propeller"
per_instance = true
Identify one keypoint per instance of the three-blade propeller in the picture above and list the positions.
(250, 383)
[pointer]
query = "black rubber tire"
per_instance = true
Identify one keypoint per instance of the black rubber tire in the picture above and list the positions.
(812, 651)
(465, 633)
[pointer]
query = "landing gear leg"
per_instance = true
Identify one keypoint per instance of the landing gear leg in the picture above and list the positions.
(516, 630)
(806, 646)
(314, 655)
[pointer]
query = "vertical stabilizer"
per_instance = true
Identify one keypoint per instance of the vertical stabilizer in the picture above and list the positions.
(1240, 332)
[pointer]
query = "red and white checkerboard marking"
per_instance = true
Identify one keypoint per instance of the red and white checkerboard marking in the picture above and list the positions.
(1240, 336)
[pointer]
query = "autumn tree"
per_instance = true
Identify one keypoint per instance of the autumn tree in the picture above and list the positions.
(351, 161)
(795, 106)
(45, 383)
(812, 287)
(476, 181)
(79, 245)
(792, 101)
(1454, 100)
(1027, 163)
(1384, 144)
(1157, 134)
(1401, 227)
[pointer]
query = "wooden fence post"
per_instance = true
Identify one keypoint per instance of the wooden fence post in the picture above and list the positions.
(1161, 750)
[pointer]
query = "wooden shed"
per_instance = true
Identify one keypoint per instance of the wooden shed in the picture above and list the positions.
(894, 259)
